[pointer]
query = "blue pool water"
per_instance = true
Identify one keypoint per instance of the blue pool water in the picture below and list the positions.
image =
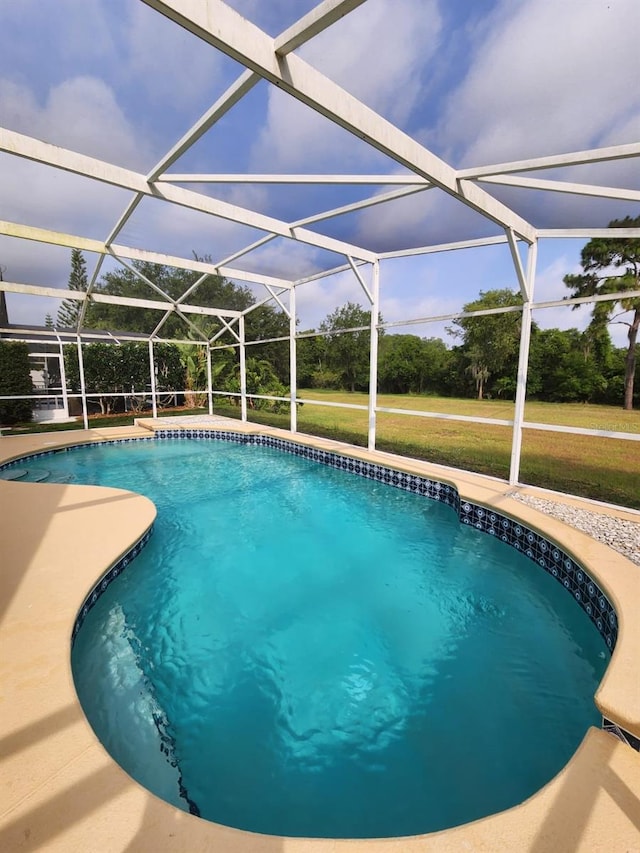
(300, 651)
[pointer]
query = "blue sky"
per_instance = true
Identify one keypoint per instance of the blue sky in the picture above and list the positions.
(477, 83)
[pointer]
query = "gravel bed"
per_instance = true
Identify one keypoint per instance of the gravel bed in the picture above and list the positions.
(618, 533)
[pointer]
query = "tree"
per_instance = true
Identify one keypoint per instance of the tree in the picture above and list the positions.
(102, 366)
(264, 323)
(311, 357)
(400, 364)
(124, 369)
(565, 366)
(490, 343)
(215, 291)
(170, 372)
(194, 359)
(478, 370)
(69, 309)
(612, 265)
(15, 379)
(261, 379)
(348, 353)
(409, 364)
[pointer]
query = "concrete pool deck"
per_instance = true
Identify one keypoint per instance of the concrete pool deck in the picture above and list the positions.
(62, 792)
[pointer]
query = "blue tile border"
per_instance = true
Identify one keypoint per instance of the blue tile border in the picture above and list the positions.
(108, 577)
(544, 552)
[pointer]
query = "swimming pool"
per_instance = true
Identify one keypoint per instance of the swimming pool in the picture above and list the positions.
(411, 761)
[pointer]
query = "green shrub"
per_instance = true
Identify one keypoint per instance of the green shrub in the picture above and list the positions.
(15, 378)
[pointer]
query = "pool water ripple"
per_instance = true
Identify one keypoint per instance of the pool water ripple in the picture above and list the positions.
(329, 656)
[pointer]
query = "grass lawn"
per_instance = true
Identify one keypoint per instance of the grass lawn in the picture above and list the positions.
(600, 468)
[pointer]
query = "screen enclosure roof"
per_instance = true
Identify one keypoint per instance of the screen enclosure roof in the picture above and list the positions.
(280, 143)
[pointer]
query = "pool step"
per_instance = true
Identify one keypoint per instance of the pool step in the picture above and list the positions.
(34, 477)
(13, 474)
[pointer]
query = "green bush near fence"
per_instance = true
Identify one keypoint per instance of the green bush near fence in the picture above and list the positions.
(15, 379)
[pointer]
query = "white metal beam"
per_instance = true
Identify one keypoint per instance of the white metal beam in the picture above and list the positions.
(124, 218)
(209, 381)
(245, 82)
(137, 274)
(223, 28)
(161, 323)
(70, 336)
(523, 282)
(36, 290)
(247, 178)
(227, 327)
(191, 289)
(263, 301)
(108, 299)
(527, 286)
(87, 244)
(244, 251)
(583, 300)
(361, 205)
(243, 372)
(276, 296)
(373, 356)
(445, 247)
(238, 89)
(456, 315)
(90, 167)
(83, 387)
(293, 363)
(337, 211)
(563, 187)
(576, 158)
(370, 296)
(154, 402)
(317, 20)
(589, 233)
(573, 430)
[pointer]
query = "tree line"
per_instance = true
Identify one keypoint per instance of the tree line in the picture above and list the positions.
(565, 365)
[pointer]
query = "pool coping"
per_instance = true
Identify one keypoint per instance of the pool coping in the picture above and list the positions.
(62, 791)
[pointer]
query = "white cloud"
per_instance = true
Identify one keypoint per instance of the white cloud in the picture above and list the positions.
(74, 30)
(38, 196)
(317, 299)
(427, 218)
(286, 259)
(377, 53)
(81, 113)
(174, 230)
(546, 77)
(174, 67)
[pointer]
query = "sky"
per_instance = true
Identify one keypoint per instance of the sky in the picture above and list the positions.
(476, 83)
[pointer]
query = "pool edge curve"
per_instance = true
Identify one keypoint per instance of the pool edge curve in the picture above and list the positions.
(45, 722)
